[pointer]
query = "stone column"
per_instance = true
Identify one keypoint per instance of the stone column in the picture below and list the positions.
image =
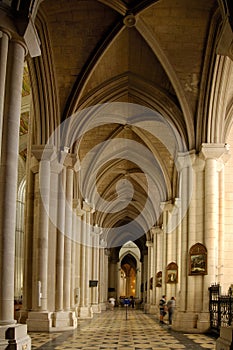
(165, 206)
(214, 155)
(11, 76)
(157, 231)
(184, 319)
(68, 237)
(40, 318)
(221, 243)
(153, 308)
(82, 261)
(68, 318)
(4, 43)
(95, 268)
(145, 267)
(102, 276)
(85, 310)
(29, 237)
(149, 246)
(73, 283)
(60, 241)
(8, 173)
(195, 229)
(183, 165)
(78, 264)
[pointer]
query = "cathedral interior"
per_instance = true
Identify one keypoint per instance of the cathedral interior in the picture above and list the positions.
(116, 168)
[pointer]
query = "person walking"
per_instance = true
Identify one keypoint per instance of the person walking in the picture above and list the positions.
(171, 307)
(162, 308)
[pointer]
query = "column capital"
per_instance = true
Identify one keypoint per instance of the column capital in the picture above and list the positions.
(20, 24)
(185, 159)
(44, 152)
(87, 207)
(56, 167)
(70, 160)
(6, 32)
(149, 244)
(177, 202)
(167, 206)
(199, 164)
(156, 230)
(79, 211)
(217, 151)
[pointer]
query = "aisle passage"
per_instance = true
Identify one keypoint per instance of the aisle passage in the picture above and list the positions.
(114, 330)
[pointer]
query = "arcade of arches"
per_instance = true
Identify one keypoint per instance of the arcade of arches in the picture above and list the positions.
(116, 167)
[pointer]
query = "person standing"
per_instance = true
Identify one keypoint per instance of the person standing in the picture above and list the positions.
(162, 308)
(171, 307)
(112, 303)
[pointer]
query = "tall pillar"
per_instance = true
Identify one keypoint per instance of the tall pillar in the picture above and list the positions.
(153, 308)
(31, 199)
(95, 268)
(8, 176)
(102, 276)
(145, 267)
(68, 237)
(4, 44)
(11, 75)
(64, 317)
(157, 232)
(85, 310)
(78, 239)
(40, 318)
(60, 242)
(185, 317)
(215, 155)
(166, 207)
(149, 246)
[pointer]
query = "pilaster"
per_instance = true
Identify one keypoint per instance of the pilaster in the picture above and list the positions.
(85, 309)
(149, 245)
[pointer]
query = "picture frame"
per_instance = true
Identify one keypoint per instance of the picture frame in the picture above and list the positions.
(198, 260)
(172, 273)
(158, 279)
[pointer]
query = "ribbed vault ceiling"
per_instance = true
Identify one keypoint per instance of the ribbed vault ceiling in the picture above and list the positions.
(149, 54)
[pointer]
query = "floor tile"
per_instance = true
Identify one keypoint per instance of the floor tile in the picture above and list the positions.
(111, 331)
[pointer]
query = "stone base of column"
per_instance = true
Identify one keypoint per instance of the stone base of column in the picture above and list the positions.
(14, 337)
(21, 316)
(147, 308)
(203, 322)
(39, 321)
(153, 309)
(96, 308)
(85, 312)
(103, 307)
(64, 320)
(225, 341)
(190, 322)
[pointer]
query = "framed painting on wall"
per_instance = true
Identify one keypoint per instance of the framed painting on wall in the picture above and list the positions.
(158, 281)
(198, 260)
(172, 273)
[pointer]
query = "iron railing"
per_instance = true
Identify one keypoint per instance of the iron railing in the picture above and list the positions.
(220, 307)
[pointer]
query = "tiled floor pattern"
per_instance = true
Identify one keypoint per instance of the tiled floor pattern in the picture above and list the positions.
(111, 330)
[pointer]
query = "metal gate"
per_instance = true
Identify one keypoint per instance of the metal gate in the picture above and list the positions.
(220, 307)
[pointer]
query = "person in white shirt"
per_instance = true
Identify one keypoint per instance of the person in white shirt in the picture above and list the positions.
(112, 303)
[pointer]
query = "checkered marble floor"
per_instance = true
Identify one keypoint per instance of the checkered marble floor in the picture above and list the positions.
(116, 330)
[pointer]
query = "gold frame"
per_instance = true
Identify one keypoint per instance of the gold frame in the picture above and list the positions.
(198, 260)
(172, 273)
